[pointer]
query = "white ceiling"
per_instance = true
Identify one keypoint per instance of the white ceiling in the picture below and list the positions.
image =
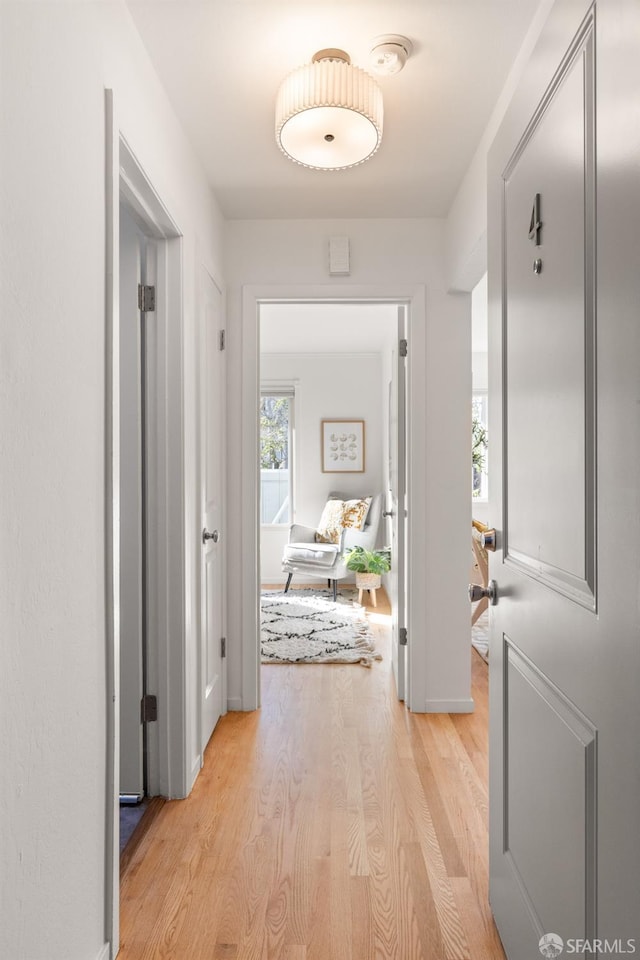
(222, 61)
(327, 327)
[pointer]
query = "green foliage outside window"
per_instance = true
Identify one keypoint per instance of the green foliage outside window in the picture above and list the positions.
(479, 438)
(274, 433)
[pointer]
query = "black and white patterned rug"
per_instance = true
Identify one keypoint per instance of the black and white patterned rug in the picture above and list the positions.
(303, 626)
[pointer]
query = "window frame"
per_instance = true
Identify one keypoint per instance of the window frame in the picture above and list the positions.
(278, 390)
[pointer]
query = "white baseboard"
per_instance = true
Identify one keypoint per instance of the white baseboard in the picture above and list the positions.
(234, 703)
(105, 952)
(196, 767)
(450, 706)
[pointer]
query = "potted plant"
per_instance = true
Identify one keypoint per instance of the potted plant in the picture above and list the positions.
(368, 566)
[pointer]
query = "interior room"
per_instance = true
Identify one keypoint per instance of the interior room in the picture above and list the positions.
(202, 201)
(337, 358)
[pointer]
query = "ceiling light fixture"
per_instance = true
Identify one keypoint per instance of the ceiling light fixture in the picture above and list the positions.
(329, 113)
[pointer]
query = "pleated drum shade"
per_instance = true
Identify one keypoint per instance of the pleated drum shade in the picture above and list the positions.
(329, 113)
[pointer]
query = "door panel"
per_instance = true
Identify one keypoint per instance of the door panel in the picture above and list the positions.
(548, 738)
(564, 647)
(131, 555)
(549, 344)
(212, 479)
(397, 519)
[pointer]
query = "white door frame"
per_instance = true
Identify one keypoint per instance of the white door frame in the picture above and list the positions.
(414, 296)
(126, 181)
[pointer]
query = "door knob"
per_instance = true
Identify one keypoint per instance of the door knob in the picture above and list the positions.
(488, 539)
(215, 536)
(476, 592)
(388, 513)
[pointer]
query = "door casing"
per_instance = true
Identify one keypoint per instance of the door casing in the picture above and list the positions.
(414, 298)
(126, 181)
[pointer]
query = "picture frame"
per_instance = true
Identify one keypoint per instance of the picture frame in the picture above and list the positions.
(342, 446)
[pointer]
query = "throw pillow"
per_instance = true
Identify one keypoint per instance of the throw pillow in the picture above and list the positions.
(330, 526)
(338, 514)
(355, 513)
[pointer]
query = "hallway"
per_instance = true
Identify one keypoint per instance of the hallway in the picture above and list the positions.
(329, 824)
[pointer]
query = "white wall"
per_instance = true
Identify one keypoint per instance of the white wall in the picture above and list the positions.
(328, 386)
(466, 229)
(56, 59)
(386, 254)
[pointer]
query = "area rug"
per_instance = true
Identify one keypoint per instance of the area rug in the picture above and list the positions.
(480, 636)
(304, 626)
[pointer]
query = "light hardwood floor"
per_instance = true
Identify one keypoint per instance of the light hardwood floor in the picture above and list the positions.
(329, 825)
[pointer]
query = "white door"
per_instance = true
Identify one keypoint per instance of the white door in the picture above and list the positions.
(212, 454)
(396, 514)
(564, 292)
(131, 512)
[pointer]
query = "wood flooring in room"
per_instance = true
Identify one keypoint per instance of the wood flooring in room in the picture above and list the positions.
(331, 824)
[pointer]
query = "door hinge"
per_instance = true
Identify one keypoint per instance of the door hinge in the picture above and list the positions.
(146, 298)
(148, 708)
(223, 339)
(404, 348)
(402, 638)
(223, 646)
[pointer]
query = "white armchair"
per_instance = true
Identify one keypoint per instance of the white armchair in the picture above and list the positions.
(327, 561)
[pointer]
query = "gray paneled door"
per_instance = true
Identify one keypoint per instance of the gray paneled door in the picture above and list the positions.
(564, 291)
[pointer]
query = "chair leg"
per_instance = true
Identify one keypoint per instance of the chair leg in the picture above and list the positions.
(328, 583)
(335, 590)
(288, 583)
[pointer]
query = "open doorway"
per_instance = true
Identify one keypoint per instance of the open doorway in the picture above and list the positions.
(145, 579)
(137, 290)
(324, 364)
(479, 465)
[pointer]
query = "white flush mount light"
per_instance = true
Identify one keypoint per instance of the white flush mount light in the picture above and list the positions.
(389, 54)
(329, 113)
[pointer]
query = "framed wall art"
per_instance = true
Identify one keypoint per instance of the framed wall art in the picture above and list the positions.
(342, 446)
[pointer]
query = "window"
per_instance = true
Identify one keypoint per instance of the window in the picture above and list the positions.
(276, 445)
(479, 451)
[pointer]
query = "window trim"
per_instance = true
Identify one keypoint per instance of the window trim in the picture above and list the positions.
(278, 389)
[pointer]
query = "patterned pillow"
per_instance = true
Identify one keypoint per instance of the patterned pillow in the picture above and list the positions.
(338, 514)
(330, 526)
(355, 513)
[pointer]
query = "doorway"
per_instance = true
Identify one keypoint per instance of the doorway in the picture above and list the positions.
(480, 515)
(409, 305)
(320, 361)
(144, 491)
(137, 271)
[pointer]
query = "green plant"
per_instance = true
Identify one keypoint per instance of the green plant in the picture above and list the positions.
(274, 432)
(369, 561)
